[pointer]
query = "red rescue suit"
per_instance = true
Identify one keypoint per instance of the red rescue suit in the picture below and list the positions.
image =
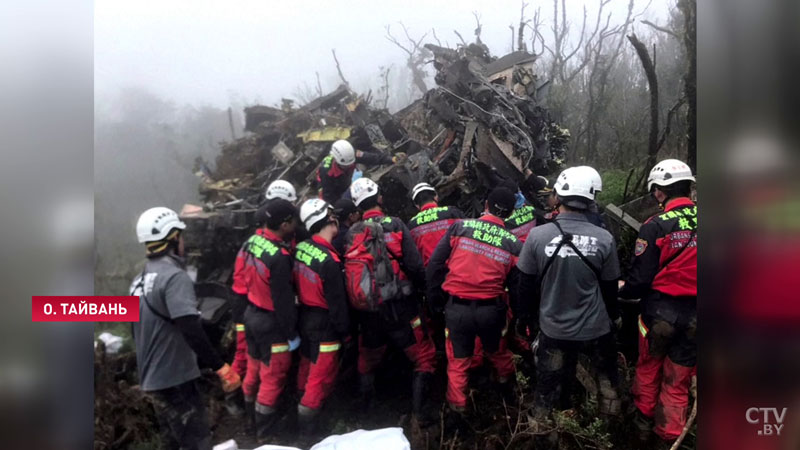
(474, 263)
(664, 275)
(429, 225)
(263, 272)
(396, 321)
(521, 221)
(323, 318)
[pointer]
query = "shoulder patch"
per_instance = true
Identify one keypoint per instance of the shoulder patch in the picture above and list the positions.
(640, 247)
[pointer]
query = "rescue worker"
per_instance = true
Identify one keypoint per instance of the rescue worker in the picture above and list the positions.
(346, 215)
(432, 221)
(397, 321)
(263, 273)
(525, 215)
(593, 211)
(469, 270)
(323, 319)
(277, 189)
(336, 171)
(427, 228)
(664, 275)
(547, 202)
(281, 189)
(569, 282)
(169, 336)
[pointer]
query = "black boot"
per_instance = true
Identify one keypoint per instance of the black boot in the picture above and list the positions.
(306, 420)
(420, 388)
(265, 419)
(643, 426)
(506, 390)
(367, 390)
(250, 416)
(234, 403)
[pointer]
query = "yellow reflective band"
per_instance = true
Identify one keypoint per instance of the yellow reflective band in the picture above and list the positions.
(280, 348)
(239, 327)
(326, 347)
(446, 333)
(642, 329)
(416, 322)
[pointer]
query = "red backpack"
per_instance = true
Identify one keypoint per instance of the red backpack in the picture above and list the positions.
(369, 276)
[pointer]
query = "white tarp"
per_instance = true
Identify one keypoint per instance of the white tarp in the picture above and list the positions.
(384, 439)
(113, 343)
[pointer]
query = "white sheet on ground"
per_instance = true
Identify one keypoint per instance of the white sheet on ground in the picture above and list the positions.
(384, 439)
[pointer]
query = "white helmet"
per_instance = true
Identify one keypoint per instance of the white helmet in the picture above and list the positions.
(575, 182)
(314, 210)
(421, 187)
(156, 223)
(667, 172)
(597, 181)
(362, 189)
(281, 189)
(343, 152)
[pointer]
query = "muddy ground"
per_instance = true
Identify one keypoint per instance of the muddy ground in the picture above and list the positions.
(124, 418)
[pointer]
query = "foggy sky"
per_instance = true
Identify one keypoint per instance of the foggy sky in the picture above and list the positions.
(210, 52)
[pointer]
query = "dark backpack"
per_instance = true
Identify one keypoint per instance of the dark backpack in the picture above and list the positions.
(369, 277)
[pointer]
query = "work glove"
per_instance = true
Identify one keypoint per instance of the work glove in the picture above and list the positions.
(618, 323)
(229, 378)
(399, 158)
(294, 344)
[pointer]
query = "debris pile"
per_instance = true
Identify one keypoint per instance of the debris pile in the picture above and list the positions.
(484, 122)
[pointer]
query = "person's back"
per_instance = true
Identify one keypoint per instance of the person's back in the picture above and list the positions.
(569, 277)
(571, 299)
(431, 223)
(169, 336)
(163, 356)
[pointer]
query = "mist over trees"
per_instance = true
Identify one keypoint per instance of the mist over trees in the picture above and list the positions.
(146, 146)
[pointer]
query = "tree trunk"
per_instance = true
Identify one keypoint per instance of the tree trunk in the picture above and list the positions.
(652, 82)
(689, 10)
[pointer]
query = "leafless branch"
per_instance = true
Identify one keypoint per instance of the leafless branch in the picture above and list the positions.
(478, 27)
(394, 40)
(660, 28)
(438, 42)
(521, 29)
(463, 42)
(668, 125)
(319, 85)
(339, 68)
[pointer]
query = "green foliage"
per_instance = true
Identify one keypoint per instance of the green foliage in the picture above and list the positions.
(594, 431)
(614, 185)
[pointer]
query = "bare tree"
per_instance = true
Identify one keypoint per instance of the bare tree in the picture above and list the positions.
(416, 56)
(521, 30)
(384, 89)
(478, 27)
(339, 68)
(652, 81)
(689, 10)
(319, 85)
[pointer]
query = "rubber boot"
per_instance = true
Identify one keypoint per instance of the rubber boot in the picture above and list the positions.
(420, 388)
(250, 416)
(643, 426)
(306, 420)
(265, 418)
(234, 403)
(545, 434)
(366, 389)
(506, 389)
(609, 403)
